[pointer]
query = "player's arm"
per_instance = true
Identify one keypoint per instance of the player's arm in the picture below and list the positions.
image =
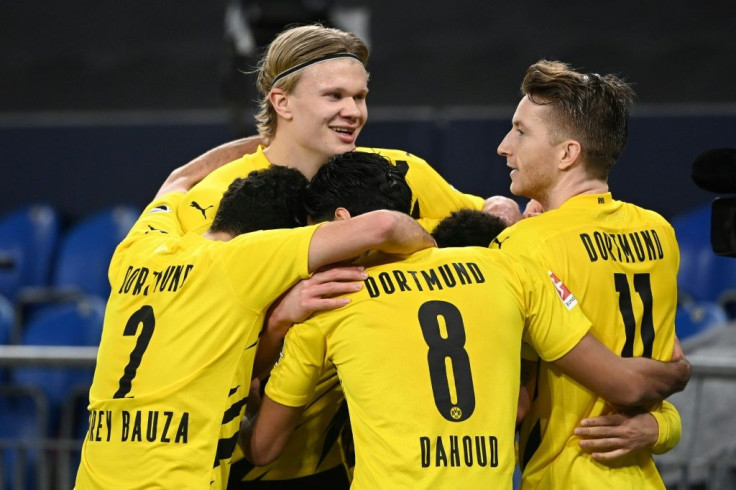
(387, 231)
(185, 177)
(526, 389)
(263, 438)
(318, 293)
(290, 388)
(632, 381)
(219, 156)
(609, 437)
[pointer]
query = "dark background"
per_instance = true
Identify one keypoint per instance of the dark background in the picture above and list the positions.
(100, 100)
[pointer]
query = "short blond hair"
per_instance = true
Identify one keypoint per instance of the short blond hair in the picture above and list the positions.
(293, 47)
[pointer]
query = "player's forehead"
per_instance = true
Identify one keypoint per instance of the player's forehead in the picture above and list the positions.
(530, 114)
(339, 73)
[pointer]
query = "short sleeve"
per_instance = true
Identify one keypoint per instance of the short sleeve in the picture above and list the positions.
(556, 323)
(263, 264)
(295, 376)
(159, 217)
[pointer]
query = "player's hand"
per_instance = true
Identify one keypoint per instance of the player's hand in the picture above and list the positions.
(319, 292)
(533, 208)
(505, 208)
(524, 405)
(683, 365)
(610, 437)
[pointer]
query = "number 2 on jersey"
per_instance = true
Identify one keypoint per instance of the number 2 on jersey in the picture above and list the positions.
(644, 288)
(143, 316)
(441, 349)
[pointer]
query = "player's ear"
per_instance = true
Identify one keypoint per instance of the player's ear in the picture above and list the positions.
(341, 214)
(569, 153)
(280, 102)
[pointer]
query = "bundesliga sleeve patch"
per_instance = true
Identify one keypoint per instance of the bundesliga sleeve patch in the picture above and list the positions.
(568, 299)
(163, 208)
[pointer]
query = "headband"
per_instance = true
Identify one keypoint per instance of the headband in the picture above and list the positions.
(301, 66)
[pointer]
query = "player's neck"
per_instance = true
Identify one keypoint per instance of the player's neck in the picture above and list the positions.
(218, 236)
(283, 152)
(567, 190)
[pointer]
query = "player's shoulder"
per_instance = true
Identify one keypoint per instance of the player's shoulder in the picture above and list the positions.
(644, 218)
(394, 155)
(529, 230)
(240, 168)
(646, 214)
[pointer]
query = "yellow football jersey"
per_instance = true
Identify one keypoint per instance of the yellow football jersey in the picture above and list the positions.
(174, 363)
(314, 447)
(432, 196)
(621, 262)
(428, 357)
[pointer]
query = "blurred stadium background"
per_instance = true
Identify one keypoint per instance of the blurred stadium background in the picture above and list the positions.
(101, 100)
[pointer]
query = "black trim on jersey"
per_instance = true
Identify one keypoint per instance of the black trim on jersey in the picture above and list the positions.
(334, 429)
(535, 436)
(233, 391)
(234, 411)
(238, 470)
(326, 392)
(403, 167)
(415, 212)
(151, 228)
(532, 444)
(225, 448)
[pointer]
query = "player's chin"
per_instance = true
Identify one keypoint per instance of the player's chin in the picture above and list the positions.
(516, 188)
(343, 147)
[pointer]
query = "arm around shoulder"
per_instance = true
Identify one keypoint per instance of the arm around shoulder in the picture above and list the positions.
(387, 231)
(185, 177)
(632, 381)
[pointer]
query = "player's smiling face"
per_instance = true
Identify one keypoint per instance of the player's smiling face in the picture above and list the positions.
(328, 105)
(528, 151)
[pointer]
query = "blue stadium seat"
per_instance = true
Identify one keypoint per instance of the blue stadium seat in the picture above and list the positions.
(7, 323)
(703, 275)
(7, 320)
(28, 239)
(66, 324)
(81, 264)
(87, 247)
(695, 317)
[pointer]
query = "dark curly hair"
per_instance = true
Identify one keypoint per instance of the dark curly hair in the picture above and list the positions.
(264, 200)
(359, 182)
(468, 228)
